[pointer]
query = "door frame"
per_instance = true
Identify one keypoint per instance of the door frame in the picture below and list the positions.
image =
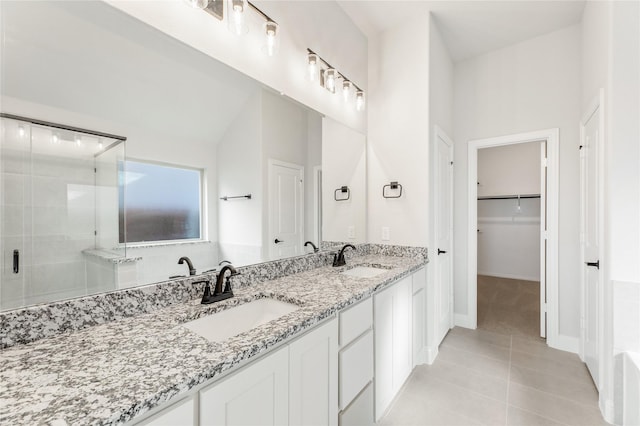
(440, 134)
(595, 106)
(271, 162)
(552, 138)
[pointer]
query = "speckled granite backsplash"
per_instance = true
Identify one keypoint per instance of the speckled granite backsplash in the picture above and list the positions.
(36, 322)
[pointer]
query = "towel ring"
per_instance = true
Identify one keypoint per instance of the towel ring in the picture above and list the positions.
(392, 186)
(342, 190)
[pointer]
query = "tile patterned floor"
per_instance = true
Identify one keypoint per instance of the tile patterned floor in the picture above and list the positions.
(487, 378)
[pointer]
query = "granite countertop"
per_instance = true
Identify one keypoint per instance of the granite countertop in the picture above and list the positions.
(111, 373)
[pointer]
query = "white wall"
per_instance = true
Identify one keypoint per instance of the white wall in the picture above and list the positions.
(314, 159)
(529, 86)
(397, 143)
(509, 170)
(302, 24)
(343, 164)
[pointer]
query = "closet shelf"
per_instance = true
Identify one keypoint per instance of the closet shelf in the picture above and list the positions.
(508, 197)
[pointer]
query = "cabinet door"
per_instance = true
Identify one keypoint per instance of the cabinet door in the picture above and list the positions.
(313, 377)
(383, 329)
(256, 395)
(402, 336)
(181, 413)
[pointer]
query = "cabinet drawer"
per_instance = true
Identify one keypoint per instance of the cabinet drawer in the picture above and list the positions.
(355, 321)
(356, 368)
(360, 412)
(419, 280)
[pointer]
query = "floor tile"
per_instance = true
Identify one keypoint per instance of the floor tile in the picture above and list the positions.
(553, 407)
(477, 346)
(577, 391)
(482, 335)
(479, 363)
(518, 417)
(572, 370)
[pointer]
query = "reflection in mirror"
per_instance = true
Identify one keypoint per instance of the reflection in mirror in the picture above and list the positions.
(86, 64)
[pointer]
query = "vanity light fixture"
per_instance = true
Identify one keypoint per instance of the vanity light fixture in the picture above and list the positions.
(197, 4)
(312, 61)
(236, 17)
(360, 102)
(346, 90)
(272, 41)
(329, 77)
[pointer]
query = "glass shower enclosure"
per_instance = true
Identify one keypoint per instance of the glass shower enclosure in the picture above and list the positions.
(58, 211)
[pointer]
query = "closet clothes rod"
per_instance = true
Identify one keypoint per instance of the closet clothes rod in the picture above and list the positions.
(509, 197)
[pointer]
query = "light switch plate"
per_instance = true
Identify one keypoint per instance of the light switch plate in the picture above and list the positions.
(351, 232)
(385, 233)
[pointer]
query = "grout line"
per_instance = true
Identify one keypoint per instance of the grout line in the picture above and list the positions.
(539, 415)
(506, 414)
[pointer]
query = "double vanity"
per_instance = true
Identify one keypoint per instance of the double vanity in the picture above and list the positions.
(322, 345)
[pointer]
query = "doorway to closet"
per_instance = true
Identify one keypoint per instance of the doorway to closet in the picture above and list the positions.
(512, 234)
(509, 212)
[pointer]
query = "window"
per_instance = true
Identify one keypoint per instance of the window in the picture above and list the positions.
(159, 202)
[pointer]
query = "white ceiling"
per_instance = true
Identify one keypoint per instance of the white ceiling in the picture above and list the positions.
(469, 28)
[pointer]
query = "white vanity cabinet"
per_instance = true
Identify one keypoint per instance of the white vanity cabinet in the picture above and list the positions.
(296, 385)
(313, 377)
(257, 394)
(356, 364)
(393, 323)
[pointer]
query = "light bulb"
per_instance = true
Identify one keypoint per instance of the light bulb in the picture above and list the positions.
(359, 100)
(312, 60)
(197, 4)
(21, 131)
(78, 141)
(100, 145)
(346, 90)
(330, 80)
(54, 139)
(236, 17)
(271, 41)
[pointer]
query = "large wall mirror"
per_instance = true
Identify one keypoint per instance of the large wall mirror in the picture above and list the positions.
(215, 166)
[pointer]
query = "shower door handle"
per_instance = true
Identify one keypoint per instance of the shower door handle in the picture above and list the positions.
(16, 261)
(441, 252)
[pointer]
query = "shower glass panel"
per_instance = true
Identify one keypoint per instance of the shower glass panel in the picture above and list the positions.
(58, 213)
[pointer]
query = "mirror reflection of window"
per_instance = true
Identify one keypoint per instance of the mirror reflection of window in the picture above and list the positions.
(159, 202)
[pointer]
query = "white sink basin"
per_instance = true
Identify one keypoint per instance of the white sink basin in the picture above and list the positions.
(233, 321)
(364, 272)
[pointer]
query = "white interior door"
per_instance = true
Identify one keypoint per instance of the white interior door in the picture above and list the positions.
(286, 215)
(444, 237)
(591, 202)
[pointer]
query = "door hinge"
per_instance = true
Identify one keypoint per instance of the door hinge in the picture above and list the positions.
(95, 170)
(451, 163)
(544, 235)
(544, 307)
(544, 162)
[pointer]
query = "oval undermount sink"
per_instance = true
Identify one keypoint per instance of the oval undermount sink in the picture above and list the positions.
(364, 271)
(239, 319)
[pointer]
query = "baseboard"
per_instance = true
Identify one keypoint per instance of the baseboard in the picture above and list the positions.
(565, 343)
(461, 320)
(430, 355)
(509, 276)
(607, 409)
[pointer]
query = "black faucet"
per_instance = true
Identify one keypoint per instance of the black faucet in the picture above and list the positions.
(218, 293)
(192, 270)
(315, 249)
(338, 258)
(224, 261)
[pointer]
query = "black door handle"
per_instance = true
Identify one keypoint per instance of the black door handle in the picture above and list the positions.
(16, 261)
(441, 252)
(278, 241)
(596, 263)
